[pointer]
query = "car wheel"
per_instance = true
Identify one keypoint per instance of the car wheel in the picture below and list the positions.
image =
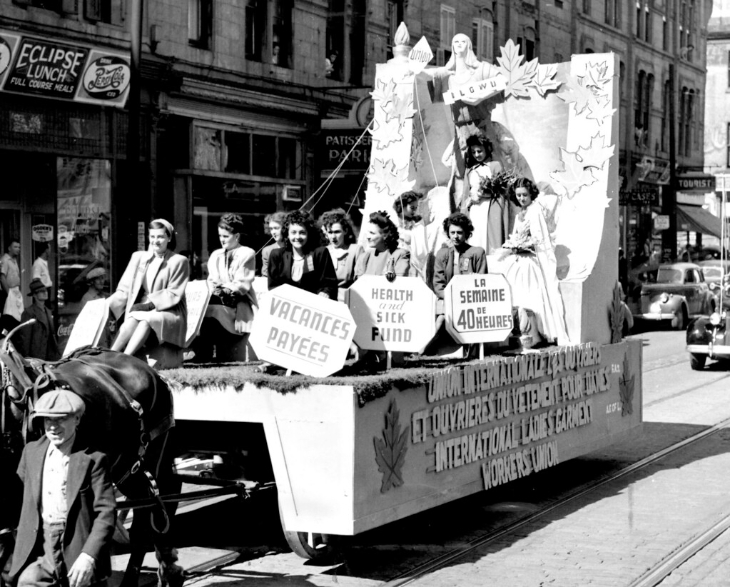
(681, 319)
(697, 362)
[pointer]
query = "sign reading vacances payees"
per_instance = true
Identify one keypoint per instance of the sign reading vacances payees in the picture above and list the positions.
(49, 69)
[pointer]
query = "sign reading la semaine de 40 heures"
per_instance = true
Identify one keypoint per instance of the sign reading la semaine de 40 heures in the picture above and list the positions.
(302, 331)
(478, 308)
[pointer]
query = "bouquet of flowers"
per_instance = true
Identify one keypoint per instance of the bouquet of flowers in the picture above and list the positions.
(520, 242)
(497, 185)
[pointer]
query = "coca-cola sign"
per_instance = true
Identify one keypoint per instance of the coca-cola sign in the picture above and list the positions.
(107, 78)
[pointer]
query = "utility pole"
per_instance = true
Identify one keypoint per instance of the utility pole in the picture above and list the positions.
(669, 193)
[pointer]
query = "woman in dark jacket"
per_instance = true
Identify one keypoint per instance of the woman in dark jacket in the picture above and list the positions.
(302, 262)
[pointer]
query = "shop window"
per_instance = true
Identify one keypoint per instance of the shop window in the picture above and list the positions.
(482, 38)
(282, 34)
(447, 30)
(83, 236)
(24, 122)
(238, 152)
(264, 163)
(207, 149)
(255, 17)
(200, 23)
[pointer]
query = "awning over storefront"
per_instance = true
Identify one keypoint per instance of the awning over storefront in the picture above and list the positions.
(695, 219)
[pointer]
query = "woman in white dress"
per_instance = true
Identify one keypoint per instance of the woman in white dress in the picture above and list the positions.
(531, 272)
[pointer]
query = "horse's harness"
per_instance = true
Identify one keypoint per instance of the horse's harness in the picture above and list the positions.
(12, 366)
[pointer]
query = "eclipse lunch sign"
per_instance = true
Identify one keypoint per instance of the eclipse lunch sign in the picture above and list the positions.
(303, 332)
(478, 308)
(49, 69)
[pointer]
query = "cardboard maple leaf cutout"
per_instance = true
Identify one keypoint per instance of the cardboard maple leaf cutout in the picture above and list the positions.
(574, 91)
(543, 81)
(616, 315)
(383, 92)
(626, 389)
(400, 109)
(596, 154)
(390, 134)
(600, 110)
(575, 176)
(517, 75)
(596, 77)
(381, 174)
(390, 451)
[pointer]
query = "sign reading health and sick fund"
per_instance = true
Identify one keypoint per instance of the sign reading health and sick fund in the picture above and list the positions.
(478, 308)
(49, 69)
(302, 331)
(397, 316)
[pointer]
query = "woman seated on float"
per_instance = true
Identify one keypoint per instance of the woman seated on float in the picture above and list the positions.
(383, 257)
(273, 225)
(302, 262)
(152, 293)
(229, 317)
(342, 247)
(532, 270)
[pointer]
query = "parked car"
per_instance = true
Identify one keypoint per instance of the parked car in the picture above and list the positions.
(678, 293)
(717, 277)
(708, 337)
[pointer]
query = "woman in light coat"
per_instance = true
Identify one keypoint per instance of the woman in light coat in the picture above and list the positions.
(152, 293)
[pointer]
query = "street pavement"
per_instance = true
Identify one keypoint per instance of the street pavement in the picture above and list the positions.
(609, 537)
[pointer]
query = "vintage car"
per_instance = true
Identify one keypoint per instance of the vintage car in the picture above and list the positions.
(717, 277)
(678, 293)
(708, 337)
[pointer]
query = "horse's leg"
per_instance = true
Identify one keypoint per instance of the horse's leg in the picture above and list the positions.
(169, 573)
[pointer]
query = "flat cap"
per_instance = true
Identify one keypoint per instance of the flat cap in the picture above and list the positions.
(59, 402)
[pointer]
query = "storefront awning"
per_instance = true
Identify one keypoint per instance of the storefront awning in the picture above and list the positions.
(695, 219)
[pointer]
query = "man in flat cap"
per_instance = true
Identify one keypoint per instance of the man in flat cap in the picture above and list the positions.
(67, 518)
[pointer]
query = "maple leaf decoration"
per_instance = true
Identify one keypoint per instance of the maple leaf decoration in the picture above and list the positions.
(543, 81)
(390, 452)
(517, 75)
(596, 77)
(390, 134)
(383, 92)
(626, 389)
(575, 175)
(400, 109)
(616, 315)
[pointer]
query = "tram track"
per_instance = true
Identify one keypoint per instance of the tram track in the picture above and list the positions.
(656, 574)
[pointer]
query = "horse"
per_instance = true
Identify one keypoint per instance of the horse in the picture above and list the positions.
(128, 416)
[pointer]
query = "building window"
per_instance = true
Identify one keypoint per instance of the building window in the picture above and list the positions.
(446, 33)
(666, 97)
(255, 16)
(482, 38)
(393, 16)
(281, 33)
(665, 34)
(686, 121)
(647, 24)
(613, 10)
(587, 6)
(335, 39)
(558, 3)
(528, 45)
(642, 112)
(639, 15)
(106, 11)
(200, 23)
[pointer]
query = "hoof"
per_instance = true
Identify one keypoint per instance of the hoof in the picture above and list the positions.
(172, 576)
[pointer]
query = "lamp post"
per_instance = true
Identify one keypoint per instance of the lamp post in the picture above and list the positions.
(669, 193)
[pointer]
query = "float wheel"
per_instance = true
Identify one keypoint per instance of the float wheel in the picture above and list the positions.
(309, 545)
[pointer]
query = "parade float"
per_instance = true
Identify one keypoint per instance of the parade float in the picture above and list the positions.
(351, 451)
